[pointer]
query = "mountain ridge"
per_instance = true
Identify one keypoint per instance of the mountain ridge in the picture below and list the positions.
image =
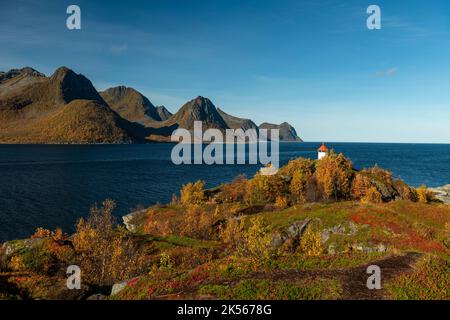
(29, 99)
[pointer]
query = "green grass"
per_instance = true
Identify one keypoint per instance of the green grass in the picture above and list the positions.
(430, 281)
(312, 289)
(338, 261)
(180, 241)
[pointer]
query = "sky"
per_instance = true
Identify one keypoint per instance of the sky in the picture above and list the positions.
(314, 64)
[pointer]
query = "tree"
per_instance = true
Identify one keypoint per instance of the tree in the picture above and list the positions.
(334, 175)
(105, 252)
(193, 193)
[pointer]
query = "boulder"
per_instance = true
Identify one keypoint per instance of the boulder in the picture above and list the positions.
(130, 220)
(349, 229)
(117, 287)
(292, 232)
(442, 193)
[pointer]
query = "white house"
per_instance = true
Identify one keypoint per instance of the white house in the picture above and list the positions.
(322, 151)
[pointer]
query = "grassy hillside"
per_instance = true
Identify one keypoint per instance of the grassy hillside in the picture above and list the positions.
(63, 108)
(308, 232)
(80, 121)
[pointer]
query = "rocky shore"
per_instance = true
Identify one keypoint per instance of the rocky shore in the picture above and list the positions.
(442, 193)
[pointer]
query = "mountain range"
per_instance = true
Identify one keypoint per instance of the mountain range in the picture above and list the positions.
(66, 108)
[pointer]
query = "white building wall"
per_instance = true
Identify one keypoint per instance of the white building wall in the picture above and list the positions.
(321, 154)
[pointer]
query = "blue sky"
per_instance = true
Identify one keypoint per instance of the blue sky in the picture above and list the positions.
(311, 63)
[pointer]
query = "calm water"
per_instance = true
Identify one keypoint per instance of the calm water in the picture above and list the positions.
(54, 185)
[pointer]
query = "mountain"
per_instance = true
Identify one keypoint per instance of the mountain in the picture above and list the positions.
(66, 108)
(63, 108)
(198, 109)
(163, 113)
(131, 105)
(16, 79)
(237, 123)
(287, 132)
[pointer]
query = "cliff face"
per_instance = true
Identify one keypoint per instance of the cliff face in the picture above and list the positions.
(287, 132)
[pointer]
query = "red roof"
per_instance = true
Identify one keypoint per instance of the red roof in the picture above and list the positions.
(323, 148)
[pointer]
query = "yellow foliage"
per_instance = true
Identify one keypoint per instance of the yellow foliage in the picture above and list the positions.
(360, 186)
(232, 233)
(334, 176)
(165, 261)
(264, 188)
(105, 253)
(311, 243)
(281, 202)
(193, 193)
(423, 194)
(372, 195)
(16, 263)
(198, 222)
(58, 235)
(257, 242)
(41, 233)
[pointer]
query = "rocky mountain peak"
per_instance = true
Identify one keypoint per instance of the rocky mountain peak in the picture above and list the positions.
(74, 86)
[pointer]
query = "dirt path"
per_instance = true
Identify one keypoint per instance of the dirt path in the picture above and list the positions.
(353, 280)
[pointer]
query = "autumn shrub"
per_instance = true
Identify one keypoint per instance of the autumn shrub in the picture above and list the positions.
(165, 262)
(311, 243)
(360, 186)
(304, 165)
(154, 225)
(105, 253)
(266, 188)
(232, 232)
(234, 191)
(193, 193)
(423, 195)
(41, 233)
(16, 263)
(334, 176)
(198, 222)
(281, 202)
(257, 242)
(372, 195)
(303, 187)
(58, 235)
(40, 259)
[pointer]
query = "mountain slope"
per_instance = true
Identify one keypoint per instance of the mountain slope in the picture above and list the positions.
(287, 132)
(42, 111)
(198, 109)
(163, 113)
(16, 79)
(131, 105)
(80, 121)
(237, 123)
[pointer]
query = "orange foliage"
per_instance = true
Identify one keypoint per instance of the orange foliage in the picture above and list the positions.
(334, 176)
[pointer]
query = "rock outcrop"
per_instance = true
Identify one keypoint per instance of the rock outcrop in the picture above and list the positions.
(442, 193)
